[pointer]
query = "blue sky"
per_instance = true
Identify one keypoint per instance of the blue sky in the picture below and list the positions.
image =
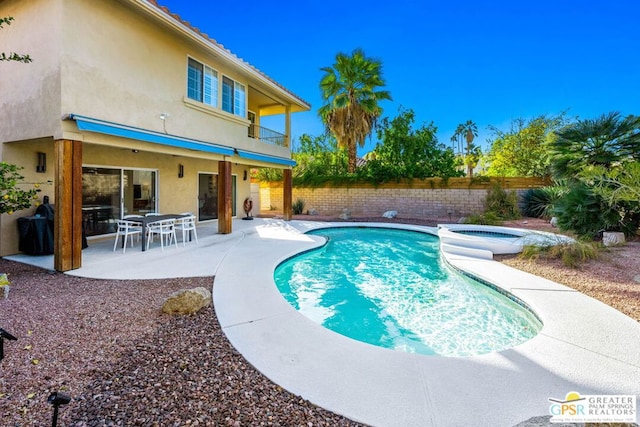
(450, 61)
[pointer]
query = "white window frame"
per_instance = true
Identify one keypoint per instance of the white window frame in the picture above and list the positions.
(238, 97)
(209, 83)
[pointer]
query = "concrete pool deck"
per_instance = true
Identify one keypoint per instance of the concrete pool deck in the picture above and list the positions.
(584, 346)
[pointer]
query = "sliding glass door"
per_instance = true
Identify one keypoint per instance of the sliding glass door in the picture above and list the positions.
(139, 191)
(110, 193)
(208, 196)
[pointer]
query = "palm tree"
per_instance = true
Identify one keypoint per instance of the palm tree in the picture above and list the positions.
(351, 92)
(467, 131)
(605, 141)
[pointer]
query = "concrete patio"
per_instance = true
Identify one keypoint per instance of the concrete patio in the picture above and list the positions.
(585, 346)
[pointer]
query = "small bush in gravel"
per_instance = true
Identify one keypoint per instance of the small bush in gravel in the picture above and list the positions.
(572, 254)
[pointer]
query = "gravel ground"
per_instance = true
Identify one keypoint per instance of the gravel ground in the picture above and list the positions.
(106, 344)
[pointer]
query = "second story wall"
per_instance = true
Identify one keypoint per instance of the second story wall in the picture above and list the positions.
(30, 93)
(121, 65)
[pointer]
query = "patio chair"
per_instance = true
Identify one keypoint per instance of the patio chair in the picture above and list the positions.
(187, 224)
(125, 229)
(165, 229)
(152, 214)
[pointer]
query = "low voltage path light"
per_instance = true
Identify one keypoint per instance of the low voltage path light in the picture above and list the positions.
(57, 399)
(4, 334)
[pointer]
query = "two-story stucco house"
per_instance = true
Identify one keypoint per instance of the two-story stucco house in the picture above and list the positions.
(127, 109)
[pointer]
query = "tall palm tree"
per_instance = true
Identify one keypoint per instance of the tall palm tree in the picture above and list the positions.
(351, 92)
(467, 131)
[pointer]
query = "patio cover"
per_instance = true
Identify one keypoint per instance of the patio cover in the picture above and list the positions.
(265, 158)
(109, 128)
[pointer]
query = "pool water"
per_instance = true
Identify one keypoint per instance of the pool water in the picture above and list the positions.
(483, 233)
(390, 288)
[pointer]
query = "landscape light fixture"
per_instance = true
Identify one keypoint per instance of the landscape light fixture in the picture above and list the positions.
(4, 334)
(57, 399)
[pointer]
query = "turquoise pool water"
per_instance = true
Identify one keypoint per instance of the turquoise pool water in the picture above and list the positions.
(389, 288)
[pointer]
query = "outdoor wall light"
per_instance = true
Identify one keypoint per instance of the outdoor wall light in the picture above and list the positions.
(180, 171)
(42, 163)
(244, 178)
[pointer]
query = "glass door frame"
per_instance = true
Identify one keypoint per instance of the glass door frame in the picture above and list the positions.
(119, 210)
(202, 201)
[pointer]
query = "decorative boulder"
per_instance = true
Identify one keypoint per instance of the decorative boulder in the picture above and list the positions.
(312, 212)
(613, 238)
(390, 214)
(554, 222)
(187, 301)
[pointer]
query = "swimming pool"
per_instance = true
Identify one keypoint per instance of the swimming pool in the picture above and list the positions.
(390, 288)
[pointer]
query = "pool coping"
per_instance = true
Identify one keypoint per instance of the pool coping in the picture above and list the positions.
(584, 345)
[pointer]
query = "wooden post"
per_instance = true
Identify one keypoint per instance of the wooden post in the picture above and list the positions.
(224, 197)
(287, 189)
(67, 225)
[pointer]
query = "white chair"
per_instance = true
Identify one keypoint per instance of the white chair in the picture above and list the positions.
(165, 229)
(187, 224)
(125, 229)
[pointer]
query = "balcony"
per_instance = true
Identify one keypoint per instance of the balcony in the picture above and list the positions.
(267, 135)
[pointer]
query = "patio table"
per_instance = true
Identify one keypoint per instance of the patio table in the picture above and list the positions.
(149, 219)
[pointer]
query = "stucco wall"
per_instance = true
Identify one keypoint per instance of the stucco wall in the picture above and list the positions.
(30, 93)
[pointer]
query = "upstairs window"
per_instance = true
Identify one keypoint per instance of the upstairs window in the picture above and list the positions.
(233, 97)
(202, 83)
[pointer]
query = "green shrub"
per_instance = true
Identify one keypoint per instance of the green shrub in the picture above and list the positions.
(572, 253)
(588, 215)
(298, 207)
(540, 202)
(503, 204)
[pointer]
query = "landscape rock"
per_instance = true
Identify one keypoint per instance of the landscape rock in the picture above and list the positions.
(346, 214)
(554, 222)
(613, 238)
(312, 212)
(187, 301)
(390, 214)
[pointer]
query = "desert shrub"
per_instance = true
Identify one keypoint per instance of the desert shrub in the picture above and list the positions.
(572, 253)
(298, 207)
(487, 218)
(588, 215)
(503, 204)
(540, 202)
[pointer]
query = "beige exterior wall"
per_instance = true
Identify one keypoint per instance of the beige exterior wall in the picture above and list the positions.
(26, 154)
(30, 100)
(125, 62)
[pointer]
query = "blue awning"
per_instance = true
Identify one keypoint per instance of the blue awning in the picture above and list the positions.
(266, 158)
(100, 126)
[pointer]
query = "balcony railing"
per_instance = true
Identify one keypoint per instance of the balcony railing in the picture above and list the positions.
(266, 135)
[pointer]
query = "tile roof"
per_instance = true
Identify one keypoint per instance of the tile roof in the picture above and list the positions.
(177, 18)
